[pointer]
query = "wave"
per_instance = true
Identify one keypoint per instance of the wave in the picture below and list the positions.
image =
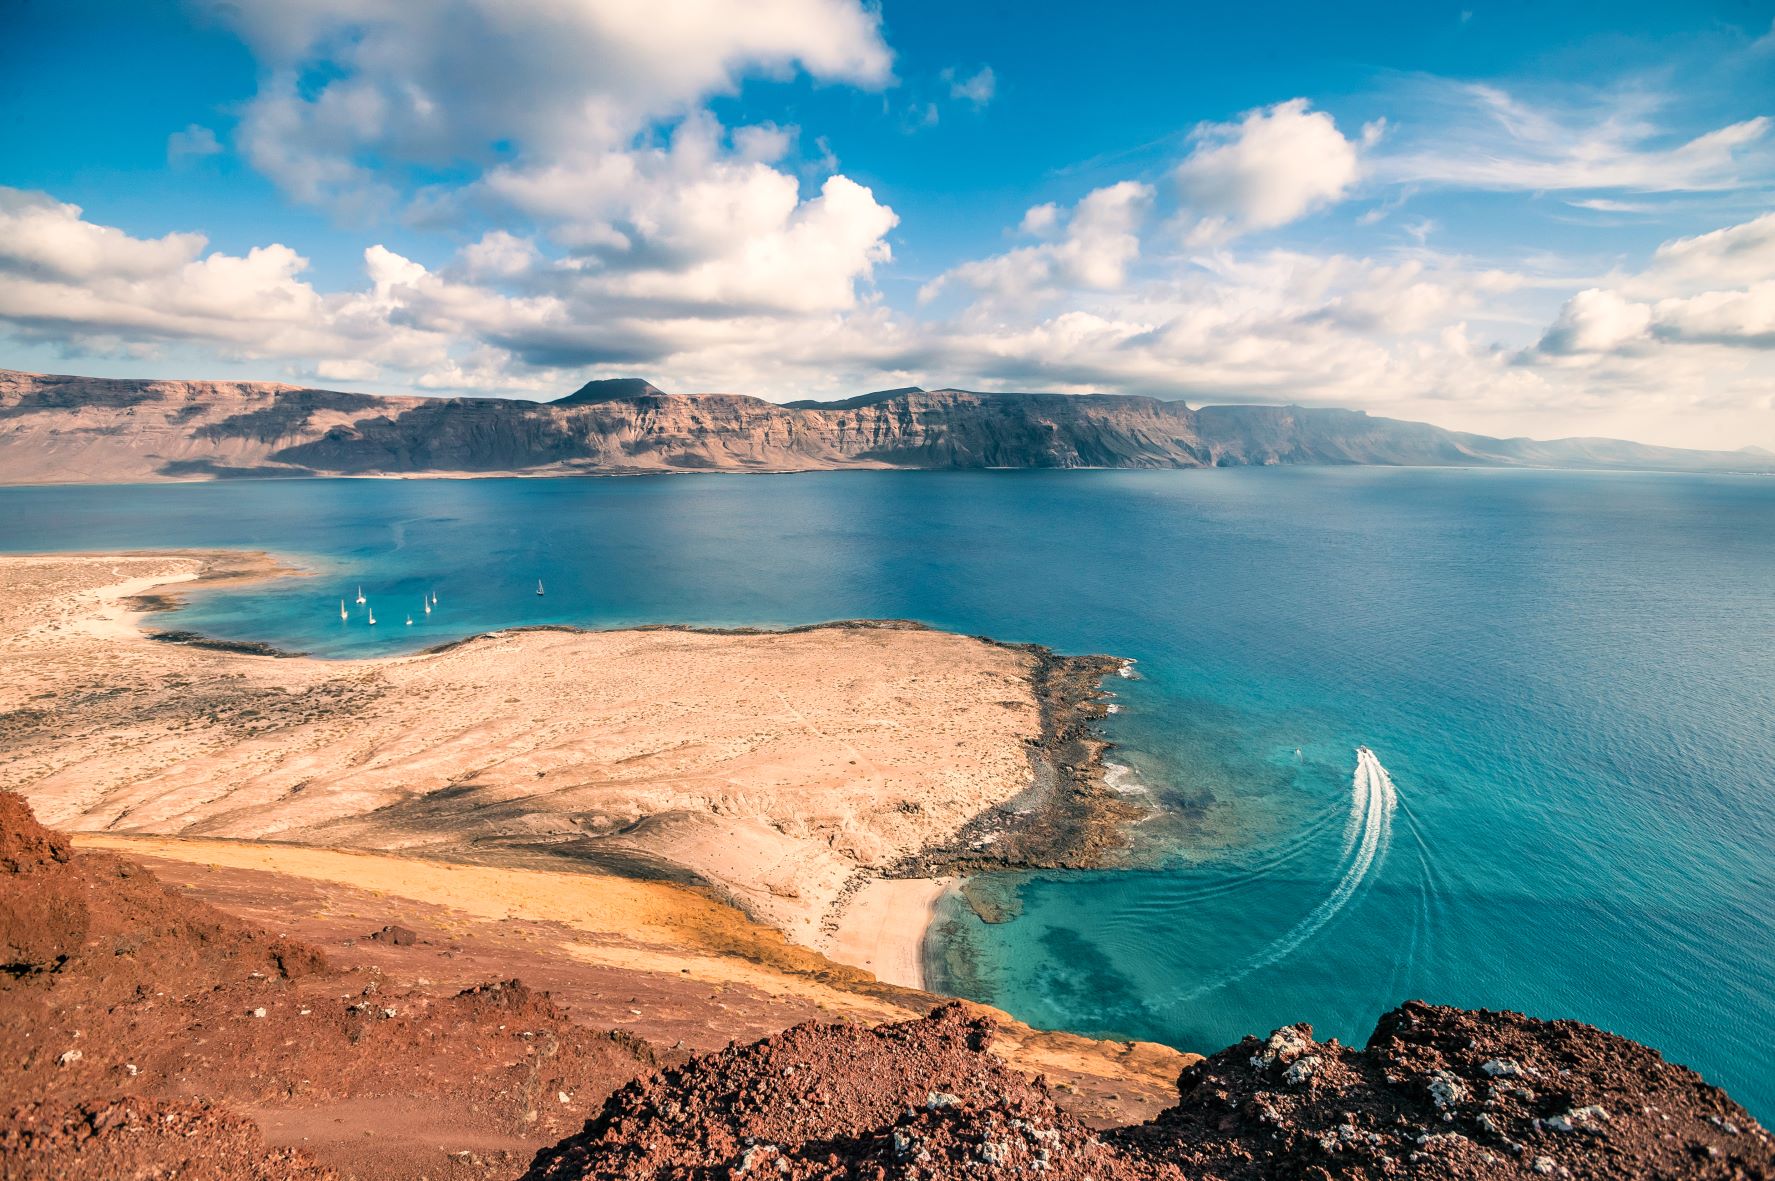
(1122, 780)
(1368, 834)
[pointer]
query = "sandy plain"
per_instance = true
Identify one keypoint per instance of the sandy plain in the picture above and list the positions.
(781, 772)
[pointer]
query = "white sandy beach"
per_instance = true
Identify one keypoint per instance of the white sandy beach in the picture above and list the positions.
(882, 928)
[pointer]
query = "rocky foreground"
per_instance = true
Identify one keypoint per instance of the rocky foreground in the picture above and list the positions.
(140, 1031)
(64, 429)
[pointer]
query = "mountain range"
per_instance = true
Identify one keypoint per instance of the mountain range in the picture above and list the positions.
(62, 429)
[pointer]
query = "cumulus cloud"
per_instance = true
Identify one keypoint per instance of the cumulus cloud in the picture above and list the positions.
(43, 239)
(1713, 289)
(501, 303)
(353, 91)
(63, 275)
(1740, 319)
(692, 224)
(1596, 321)
(1273, 166)
(578, 132)
(1736, 254)
(1099, 243)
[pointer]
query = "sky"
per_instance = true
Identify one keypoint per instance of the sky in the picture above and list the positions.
(1548, 219)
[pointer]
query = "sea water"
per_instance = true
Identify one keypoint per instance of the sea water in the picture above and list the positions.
(1564, 684)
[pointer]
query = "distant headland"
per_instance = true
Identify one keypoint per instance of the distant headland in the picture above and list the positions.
(61, 429)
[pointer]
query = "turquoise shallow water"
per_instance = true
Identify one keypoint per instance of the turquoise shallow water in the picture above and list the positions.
(1568, 680)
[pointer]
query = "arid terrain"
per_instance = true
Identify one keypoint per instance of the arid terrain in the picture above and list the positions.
(787, 772)
(147, 1033)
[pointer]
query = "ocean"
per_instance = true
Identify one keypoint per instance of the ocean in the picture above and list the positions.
(1498, 739)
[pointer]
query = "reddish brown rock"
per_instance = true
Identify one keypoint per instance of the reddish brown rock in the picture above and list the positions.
(131, 991)
(1438, 1093)
(133, 1138)
(43, 918)
(920, 1098)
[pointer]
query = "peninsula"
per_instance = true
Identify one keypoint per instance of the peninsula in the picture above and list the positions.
(820, 779)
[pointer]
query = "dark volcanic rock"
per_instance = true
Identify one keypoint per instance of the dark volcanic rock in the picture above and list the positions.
(42, 919)
(610, 389)
(1438, 1093)
(1442, 1092)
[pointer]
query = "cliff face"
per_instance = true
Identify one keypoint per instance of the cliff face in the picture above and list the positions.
(75, 429)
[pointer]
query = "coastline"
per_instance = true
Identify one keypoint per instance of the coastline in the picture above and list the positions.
(883, 928)
(896, 788)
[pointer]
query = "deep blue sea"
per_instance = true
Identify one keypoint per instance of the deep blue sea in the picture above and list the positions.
(1567, 682)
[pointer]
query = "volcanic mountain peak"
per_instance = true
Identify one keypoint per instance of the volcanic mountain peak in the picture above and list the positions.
(610, 389)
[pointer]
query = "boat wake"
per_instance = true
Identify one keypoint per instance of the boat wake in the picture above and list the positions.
(1368, 834)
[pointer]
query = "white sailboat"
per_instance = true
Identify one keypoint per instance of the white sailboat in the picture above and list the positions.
(427, 603)
(539, 586)
(372, 617)
(343, 613)
(434, 598)
(360, 596)
(409, 621)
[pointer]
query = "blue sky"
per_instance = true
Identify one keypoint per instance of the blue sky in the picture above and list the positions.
(1540, 218)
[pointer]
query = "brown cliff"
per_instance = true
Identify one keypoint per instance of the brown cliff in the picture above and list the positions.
(96, 430)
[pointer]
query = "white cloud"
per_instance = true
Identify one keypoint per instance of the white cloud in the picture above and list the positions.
(1100, 242)
(1406, 335)
(96, 289)
(1040, 220)
(1596, 321)
(1713, 289)
(1736, 254)
(693, 224)
(550, 110)
(193, 143)
(1744, 319)
(977, 88)
(500, 255)
(43, 239)
(1479, 136)
(1273, 166)
(501, 303)
(764, 143)
(352, 92)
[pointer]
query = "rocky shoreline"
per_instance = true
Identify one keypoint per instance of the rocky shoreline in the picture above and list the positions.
(767, 766)
(1069, 817)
